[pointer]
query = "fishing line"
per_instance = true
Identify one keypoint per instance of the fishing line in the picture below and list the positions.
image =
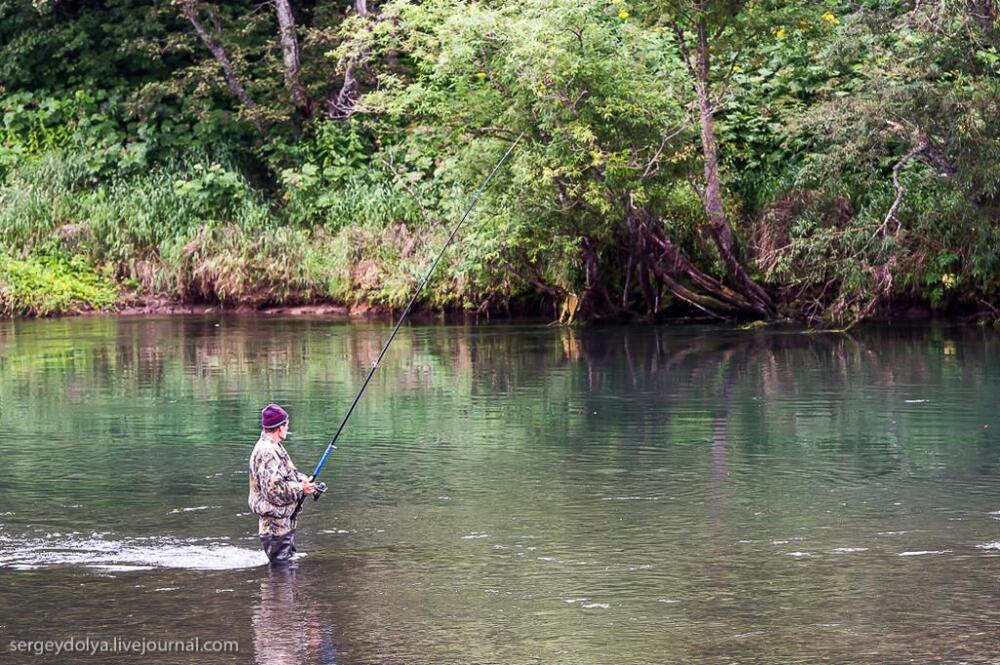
(420, 287)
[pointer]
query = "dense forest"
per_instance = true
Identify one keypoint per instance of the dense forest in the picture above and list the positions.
(825, 161)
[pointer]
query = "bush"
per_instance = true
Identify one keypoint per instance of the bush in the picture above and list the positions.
(52, 284)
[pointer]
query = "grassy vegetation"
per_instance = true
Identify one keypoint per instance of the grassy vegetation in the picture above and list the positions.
(829, 162)
(43, 285)
(197, 233)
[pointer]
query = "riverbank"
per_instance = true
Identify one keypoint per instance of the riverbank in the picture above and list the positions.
(59, 284)
(144, 245)
(131, 304)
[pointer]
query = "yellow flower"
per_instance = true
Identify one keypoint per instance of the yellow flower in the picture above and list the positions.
(830, 18)
(616, 2)
(779, 33)
(481, 75)
(623, 14)
(948, 280)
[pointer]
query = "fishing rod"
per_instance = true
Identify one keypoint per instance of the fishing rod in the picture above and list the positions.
(321, 487)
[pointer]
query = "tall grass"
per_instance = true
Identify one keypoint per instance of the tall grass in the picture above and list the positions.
(39, 197)
(197, 231)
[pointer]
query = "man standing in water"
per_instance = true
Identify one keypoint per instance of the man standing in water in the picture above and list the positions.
(275, 486)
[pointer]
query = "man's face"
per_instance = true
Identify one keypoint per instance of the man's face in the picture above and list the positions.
(283, 432)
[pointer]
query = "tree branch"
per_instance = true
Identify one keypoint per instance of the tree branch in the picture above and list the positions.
(685, 51)
(654, 163)
(190, 10)
(344, 104)
(900, 190)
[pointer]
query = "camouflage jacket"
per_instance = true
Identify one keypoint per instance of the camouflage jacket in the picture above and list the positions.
(275, 486)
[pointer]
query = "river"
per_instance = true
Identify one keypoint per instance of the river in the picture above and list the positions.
(507, 493)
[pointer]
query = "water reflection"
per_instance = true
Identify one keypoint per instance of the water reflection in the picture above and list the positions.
(516, 493)
(289, 628)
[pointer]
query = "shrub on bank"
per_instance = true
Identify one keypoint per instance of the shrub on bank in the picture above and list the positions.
(43, 285)
(198, 231)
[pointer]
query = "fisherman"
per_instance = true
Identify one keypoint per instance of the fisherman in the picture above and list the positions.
(275, 486)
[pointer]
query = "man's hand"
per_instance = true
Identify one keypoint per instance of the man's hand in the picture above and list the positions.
(308, 486)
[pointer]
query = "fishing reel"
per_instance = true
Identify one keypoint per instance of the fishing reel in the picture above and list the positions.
(319, 491)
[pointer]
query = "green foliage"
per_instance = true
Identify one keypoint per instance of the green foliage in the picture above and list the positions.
(210, 190)
(593, 94)
(88, 124)
(772, 85)
(921, 101)
(52, 283)
(122, 145)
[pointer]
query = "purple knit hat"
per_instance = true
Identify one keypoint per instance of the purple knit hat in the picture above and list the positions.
(273, 416)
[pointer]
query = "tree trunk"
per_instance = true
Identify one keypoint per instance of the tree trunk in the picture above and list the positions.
(190, 10)
(719, 228)
(985, 13)
(678, 263)
(661, 263)
(706, 304)
(291, 58)
(340, 106)
(652, 244)
(648, 290)
(594, 300)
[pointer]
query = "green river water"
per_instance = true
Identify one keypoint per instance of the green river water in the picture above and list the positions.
(506, 493)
